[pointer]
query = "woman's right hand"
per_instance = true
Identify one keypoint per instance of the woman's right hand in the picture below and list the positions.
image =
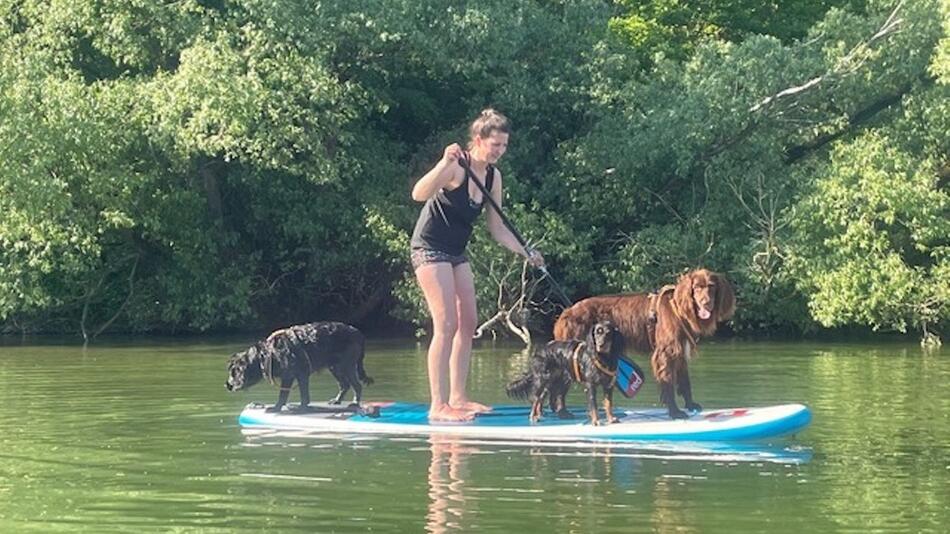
(452, 153)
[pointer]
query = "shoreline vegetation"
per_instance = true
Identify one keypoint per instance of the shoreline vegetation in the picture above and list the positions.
(224, 168)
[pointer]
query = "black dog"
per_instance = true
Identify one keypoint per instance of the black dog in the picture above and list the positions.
(592, 362)
(294, 353)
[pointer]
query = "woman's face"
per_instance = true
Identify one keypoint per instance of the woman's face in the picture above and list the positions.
(493, 147)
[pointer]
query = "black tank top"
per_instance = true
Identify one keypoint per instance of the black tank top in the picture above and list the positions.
(445, 223)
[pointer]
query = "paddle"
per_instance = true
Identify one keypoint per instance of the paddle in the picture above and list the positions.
(629, 375)
(511, 228)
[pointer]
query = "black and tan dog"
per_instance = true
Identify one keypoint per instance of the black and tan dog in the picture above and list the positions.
(294, 353)
(592, 362)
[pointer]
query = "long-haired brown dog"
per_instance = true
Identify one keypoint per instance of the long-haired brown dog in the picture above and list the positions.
(592, 362)
(666, 325)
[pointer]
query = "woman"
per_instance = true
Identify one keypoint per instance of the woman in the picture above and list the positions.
(438, 257)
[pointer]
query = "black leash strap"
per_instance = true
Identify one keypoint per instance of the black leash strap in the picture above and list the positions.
(463, 162)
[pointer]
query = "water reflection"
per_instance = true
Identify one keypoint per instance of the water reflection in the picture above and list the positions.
(464, 477)
(458, 447)
(454, 495)
(448, 472)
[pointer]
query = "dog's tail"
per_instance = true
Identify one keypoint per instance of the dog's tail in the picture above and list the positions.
(364, 378)
(520, 388)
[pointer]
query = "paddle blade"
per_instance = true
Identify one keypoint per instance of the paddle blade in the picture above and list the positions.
(629, 377)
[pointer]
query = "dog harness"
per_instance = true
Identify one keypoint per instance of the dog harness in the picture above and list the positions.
(577, 366)
(267, 364)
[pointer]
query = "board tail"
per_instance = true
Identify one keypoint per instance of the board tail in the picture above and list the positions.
(629, 377)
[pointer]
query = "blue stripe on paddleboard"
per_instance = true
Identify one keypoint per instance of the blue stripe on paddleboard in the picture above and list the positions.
(418, 414)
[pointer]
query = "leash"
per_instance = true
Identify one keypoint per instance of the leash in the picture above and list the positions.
(463, 162)
(631, 369)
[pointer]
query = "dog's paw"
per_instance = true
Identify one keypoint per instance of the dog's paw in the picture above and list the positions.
(565, 414)
(612, 420)
(678, 414)
(303, 409)
(273, 409)
(334, 401)
(369, 411)
(694, 407)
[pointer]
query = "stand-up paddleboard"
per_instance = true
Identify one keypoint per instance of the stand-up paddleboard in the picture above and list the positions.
(511, 422)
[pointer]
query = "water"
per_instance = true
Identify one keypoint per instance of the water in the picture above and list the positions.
(142, 436)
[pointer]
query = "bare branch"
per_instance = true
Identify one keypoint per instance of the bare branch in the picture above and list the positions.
(891, 25)
(520, 331)
(480, 331)
(125, 302)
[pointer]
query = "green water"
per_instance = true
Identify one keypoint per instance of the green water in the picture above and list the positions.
(143, 437)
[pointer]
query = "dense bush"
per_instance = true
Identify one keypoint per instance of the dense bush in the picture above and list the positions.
(196, 166)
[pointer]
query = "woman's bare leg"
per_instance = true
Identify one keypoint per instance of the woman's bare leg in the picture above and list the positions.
(460, 360)
(438, 286)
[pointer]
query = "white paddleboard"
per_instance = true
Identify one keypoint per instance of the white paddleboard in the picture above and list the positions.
(511, 422)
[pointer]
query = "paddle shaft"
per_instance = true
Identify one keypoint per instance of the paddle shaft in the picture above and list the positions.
(630, 367)
(511, 228)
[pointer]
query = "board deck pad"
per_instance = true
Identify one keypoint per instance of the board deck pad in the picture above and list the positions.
(511, 422)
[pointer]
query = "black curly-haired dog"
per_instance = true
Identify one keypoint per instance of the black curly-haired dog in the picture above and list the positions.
(294, 353)
(592, 362)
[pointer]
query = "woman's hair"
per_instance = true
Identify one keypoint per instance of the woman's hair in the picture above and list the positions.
(488, 121)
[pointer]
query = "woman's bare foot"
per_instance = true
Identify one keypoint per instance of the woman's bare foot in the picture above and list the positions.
(471, 407)
(449, 414)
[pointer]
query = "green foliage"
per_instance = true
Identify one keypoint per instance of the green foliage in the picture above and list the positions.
(200, 165)
(673, 28)
(941, 63)
(871, 239)
(145, 154)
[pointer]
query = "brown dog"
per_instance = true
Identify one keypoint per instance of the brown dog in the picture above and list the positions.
(666, 325)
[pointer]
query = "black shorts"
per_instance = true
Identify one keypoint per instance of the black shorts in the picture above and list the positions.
(423, 256)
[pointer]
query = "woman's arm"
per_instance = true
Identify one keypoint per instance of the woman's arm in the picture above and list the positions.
(501, 233)
(439, 176)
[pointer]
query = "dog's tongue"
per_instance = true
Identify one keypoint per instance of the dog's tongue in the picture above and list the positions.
(704, 314)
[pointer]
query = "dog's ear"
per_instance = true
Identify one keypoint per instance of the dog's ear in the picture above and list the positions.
(591, 340)
(725, 298)
(683, 293)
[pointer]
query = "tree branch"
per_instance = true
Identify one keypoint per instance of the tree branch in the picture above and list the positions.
(844, 65)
